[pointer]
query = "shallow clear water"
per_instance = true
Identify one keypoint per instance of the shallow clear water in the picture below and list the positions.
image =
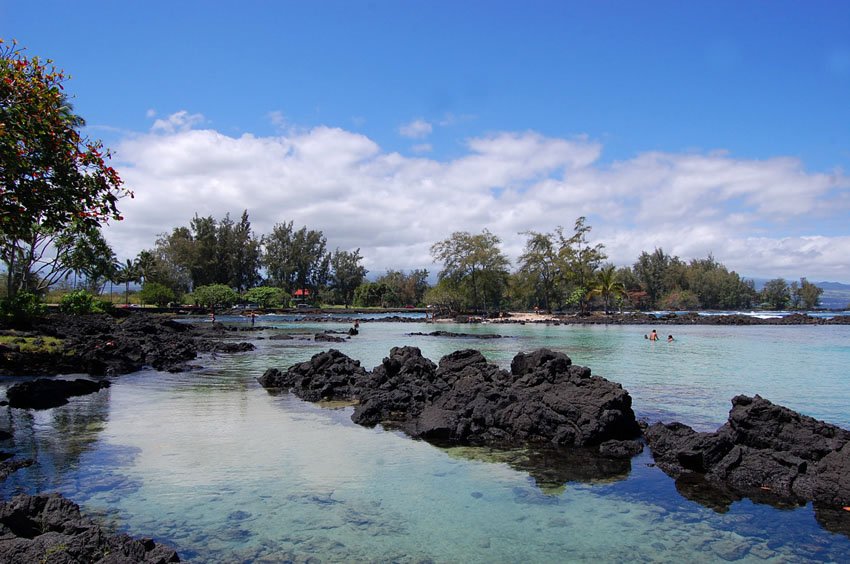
(224, 471)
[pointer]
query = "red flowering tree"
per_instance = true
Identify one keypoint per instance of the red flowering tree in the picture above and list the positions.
(54, 182)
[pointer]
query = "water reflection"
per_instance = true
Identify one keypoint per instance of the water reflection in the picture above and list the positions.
(551, 469)
(56, 439)
(720, 499)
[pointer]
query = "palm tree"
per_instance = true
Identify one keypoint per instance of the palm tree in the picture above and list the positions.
(126, 273)
(607, 286)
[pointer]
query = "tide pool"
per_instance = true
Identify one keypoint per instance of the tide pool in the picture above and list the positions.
(224, 471)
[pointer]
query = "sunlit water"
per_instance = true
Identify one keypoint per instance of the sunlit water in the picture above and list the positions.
(219, 468)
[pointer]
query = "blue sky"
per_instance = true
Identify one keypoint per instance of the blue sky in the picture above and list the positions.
(699, 127)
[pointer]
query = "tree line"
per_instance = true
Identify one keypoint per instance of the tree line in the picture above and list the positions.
(562, 270)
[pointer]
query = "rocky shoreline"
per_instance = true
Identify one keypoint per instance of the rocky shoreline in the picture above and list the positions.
(105, 345)
(765, 452)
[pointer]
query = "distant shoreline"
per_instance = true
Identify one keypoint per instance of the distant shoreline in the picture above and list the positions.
(389, 315)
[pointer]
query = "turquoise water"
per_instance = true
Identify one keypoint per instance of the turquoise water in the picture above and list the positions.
(226, 472)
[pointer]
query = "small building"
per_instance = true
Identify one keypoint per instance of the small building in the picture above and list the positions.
(301, 296)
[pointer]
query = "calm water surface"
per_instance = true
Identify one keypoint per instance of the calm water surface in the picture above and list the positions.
(221, 469)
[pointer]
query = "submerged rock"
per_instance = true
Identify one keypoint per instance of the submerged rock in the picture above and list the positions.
(454, 335)
(327, 337)
(544, 399)
(762, 449)
(50, 528)
(44, 393)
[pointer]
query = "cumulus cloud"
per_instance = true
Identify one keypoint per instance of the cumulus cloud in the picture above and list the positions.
(178, 121)
(759, 217)
(416, 129)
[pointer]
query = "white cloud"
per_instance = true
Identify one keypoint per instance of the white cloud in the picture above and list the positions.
(277, 119)
(178, 121)
(417, 129)
(759, 217)
(422, 148)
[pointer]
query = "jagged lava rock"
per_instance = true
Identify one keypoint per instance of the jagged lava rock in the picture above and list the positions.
(762, 445)
(50, 528)
(398, 388)
(327, 375)
(544, 399)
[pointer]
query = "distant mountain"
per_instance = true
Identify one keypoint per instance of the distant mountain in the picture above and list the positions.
(836, 295)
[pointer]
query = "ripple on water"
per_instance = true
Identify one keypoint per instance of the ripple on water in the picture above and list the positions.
(225, 471)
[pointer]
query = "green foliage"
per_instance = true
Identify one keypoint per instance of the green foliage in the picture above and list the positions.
(92, 258)
(555, 265)
(540, 273)
(207, 252)
(265, 297)
(651, 270)
(659, 276)
(578, 259)
(296, 260)
(215, 295)
(776, 293)
(404, 288)
(607, 286)
(80, 302)
(716, 287)
(125, 274)
(576, 297)
(20, 308)
(346, 274)
(809, 294)
(54, 181)
(445, 297)
(475, 266)
(157, 294)
(375, 294)
(680, 300)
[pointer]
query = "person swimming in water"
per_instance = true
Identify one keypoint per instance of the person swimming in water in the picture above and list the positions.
(653, 336)
(670, 338)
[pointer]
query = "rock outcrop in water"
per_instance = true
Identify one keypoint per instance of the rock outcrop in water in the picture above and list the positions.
(454, 335)
(44, 393)
(50, 528)
(763, 449)
(328, 375)
(466, 400)
(103, 344)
